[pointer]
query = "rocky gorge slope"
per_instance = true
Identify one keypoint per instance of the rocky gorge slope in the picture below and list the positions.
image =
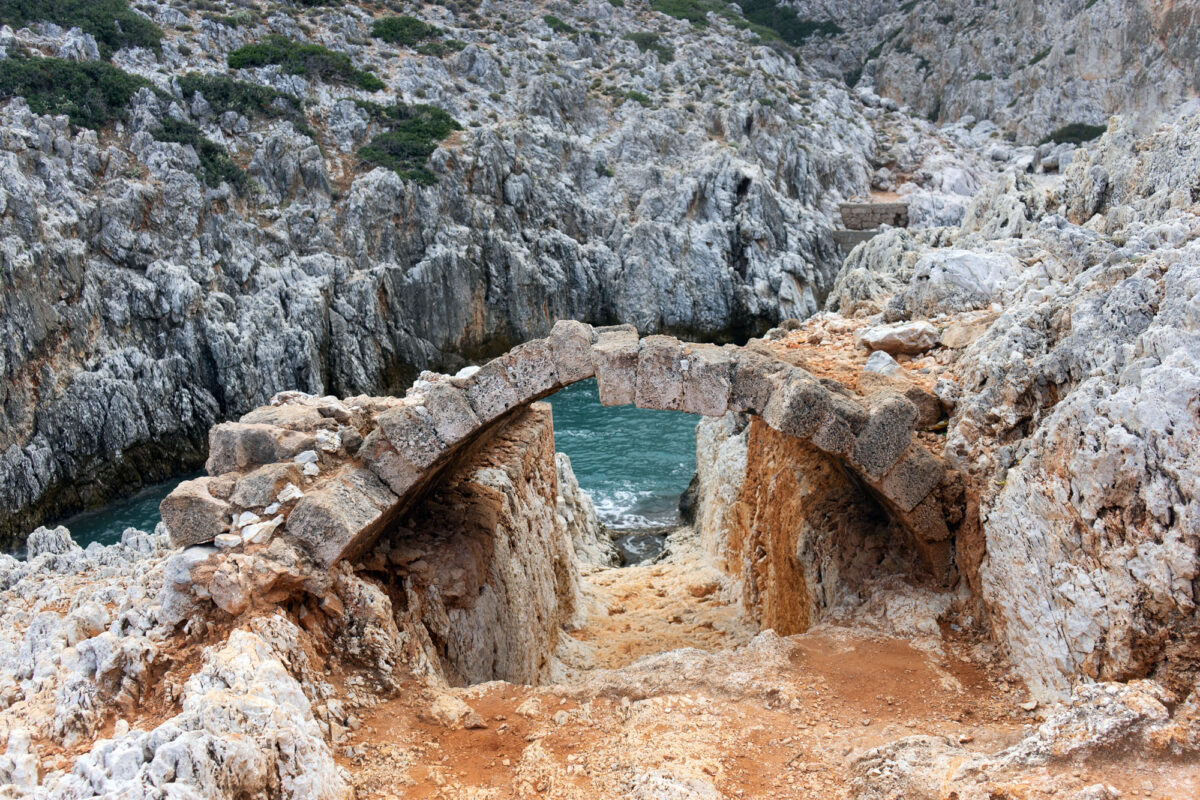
(1036, 69)
(613, 164)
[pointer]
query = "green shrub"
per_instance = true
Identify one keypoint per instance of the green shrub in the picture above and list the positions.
(649, 41)
(557, 25)
(406, 31)
(413, 133)
(1075, 133)
(982, 76)
(112, 22)
(1040, 56)
(784, 21)
(694, 11)
(249, 99)
(312, 60)
(617, 3)
(91, 93)
(440, 49)
(215, 163)
(638, 97)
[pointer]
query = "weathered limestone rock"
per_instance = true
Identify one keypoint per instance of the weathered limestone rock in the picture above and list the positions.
(886, 434)
(571, 343)
(909, 338)
(707, 372)
(262, 486)
(193, 515)
(236, 446)
(450, 412)
(799, 405)
(490, 392)
(531, 369)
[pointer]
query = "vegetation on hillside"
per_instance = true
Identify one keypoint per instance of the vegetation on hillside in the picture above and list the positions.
(1075, 133)
(406, 31)
(311, 60)
(647, 41)
(216, 165)
(91, 93)
(112, 22)
(249, 99)
(412, 133)
(764, 17)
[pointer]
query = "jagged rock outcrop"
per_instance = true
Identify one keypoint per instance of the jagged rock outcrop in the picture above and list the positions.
(1072, 384)
(1029, 67)
(141, 306)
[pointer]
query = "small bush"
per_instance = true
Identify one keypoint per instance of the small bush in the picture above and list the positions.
(638, 97)
(1075, 133)
(617, 3)
(312, 60)
(440, 49)
(982, 76)
(557, 25)
(216, 165)
(249, 99)
(91, 93)
(1040, 56)
(112, 22)
(647, 41)
(414, 132)
(406, 31)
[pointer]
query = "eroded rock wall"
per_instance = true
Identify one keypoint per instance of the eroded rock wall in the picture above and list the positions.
(1067, 312)
(800, 537)
(485, 563)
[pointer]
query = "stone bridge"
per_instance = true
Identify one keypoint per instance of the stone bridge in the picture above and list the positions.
(333, 474)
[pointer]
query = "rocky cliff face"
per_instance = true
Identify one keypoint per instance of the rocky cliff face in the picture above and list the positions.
(1030, 67)
(1066, 313)
(684, 188)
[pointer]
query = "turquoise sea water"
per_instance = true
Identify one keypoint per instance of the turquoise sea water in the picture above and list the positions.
(106, 524)
(635, 463)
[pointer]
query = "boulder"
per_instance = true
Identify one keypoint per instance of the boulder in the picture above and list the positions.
(910, 338)
(261, 487)
(239, 446)
(799, 405)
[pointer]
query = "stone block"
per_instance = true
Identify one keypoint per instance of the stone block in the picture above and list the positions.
(296, 416)
(531, 370)
(929, 408)
(571, 345)
(192, 515)
(331, 520)
(799, 405)
(383, 460)
(239, 446)
(260, 487)
(752, 382)
(615, 358)
(912, 478)
(886, 435)
(659, 374)
(489, 391)
(451, 413)
(707, 379)
(410, 431)
(836, 434)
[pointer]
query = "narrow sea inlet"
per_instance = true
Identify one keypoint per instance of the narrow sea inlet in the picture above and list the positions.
(632, 461)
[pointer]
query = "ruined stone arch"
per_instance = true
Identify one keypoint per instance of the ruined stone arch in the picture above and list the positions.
(409, 441)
